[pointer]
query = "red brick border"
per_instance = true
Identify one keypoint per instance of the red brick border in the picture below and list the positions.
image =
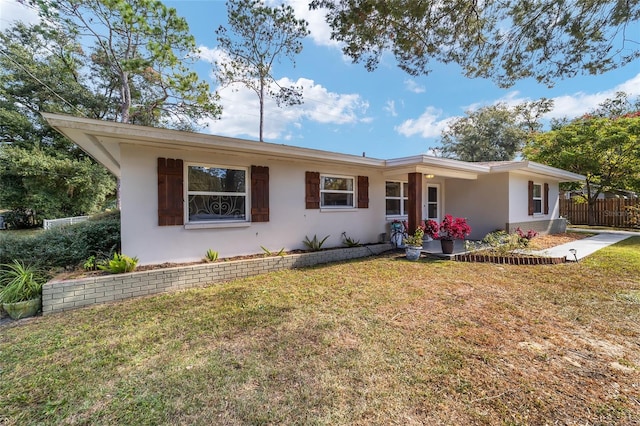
(510, 259)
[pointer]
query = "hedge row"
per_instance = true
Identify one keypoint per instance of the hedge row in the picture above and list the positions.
(64, 247)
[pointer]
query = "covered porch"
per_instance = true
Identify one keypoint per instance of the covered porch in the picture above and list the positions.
(426, 177)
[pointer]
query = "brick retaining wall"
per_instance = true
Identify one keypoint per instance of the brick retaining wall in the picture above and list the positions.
(65, 295)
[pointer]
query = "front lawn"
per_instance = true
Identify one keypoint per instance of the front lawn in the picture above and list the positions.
(375, 341)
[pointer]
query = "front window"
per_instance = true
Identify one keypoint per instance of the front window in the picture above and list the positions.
(337, 192)
(216, 194)
(396, 198)
(537, 198)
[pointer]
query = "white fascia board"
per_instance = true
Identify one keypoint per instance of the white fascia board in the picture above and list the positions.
(539, 169)
(431, 170)
(101, 139)
(442, 163)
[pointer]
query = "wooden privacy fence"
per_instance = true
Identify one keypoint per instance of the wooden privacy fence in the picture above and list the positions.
(611, 212)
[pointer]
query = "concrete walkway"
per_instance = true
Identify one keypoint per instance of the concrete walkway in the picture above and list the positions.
(586, 246)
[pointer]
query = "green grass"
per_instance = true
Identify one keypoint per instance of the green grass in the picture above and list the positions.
(375, 341)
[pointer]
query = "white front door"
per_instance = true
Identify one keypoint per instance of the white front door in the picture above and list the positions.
(431, 205)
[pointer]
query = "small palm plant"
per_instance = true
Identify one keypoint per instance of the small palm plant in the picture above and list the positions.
(119, 264)
(211, 256)
(314, 244)
(20, 282)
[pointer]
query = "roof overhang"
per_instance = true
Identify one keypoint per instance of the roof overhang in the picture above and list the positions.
(530, 167)
(439, 167)
(102, 141)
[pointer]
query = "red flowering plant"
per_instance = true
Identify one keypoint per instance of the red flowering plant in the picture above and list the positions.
(431, 228)
(453, 228)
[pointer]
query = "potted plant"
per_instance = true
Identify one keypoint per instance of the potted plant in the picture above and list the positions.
(413, 244)
(448, 230)
(21, 289)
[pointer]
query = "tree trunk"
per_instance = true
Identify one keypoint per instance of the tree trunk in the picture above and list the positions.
(591, 204)
(261, 108)
(125, 91)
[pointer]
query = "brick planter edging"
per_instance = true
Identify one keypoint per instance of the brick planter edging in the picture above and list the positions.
(64, 295)
(510, 260)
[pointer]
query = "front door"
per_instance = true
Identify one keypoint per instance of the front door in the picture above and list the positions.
(431, 205)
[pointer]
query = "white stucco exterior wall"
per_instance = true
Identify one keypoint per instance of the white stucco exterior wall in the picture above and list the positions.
(481, 201)
(289, 221)
(519, 193)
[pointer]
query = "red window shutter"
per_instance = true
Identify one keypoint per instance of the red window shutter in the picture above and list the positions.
(530, 198)
(259, 194)
(363, 192)
(170, 192)
(546, 198)
(312, 190)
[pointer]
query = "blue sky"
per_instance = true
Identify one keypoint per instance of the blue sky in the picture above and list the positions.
(385, 113)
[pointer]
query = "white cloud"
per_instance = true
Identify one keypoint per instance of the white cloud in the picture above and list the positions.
(209, 54)
(240, 116)
(428, 125)
(391, 108)
(320, 32)
(575, 105)
(12, 11)
(414, 87)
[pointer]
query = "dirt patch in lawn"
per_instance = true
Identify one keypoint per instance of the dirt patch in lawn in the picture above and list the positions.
(543, 242)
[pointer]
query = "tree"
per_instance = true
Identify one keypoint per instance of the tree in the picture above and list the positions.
(493, 133)
(259, 35)
(141, 56)
(43, 174)
(52, 186)
(503, 40)
(605, 150)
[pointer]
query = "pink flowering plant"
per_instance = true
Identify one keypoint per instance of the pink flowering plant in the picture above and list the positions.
(525, 237)
(451, 228)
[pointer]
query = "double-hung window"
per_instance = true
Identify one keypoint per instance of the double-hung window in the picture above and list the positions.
(337, 191)
(537, 198)
(216, 193)
(396, 198)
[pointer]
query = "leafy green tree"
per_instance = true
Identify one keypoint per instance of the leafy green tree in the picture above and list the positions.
(52, 186)
(39, 71)
(258, 36)
(605, 150)
(493, 133)
(140, 59)
(42, 174)
(502, 40)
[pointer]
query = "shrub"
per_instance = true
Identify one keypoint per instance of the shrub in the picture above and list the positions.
(119, 264)
(65, 247)
(500, 242)
(20, 282)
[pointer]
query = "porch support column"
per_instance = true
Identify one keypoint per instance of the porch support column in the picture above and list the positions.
(415, 201)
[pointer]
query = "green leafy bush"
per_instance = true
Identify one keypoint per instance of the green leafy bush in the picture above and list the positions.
(20, 282)
(119, 264)
(64, 247)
